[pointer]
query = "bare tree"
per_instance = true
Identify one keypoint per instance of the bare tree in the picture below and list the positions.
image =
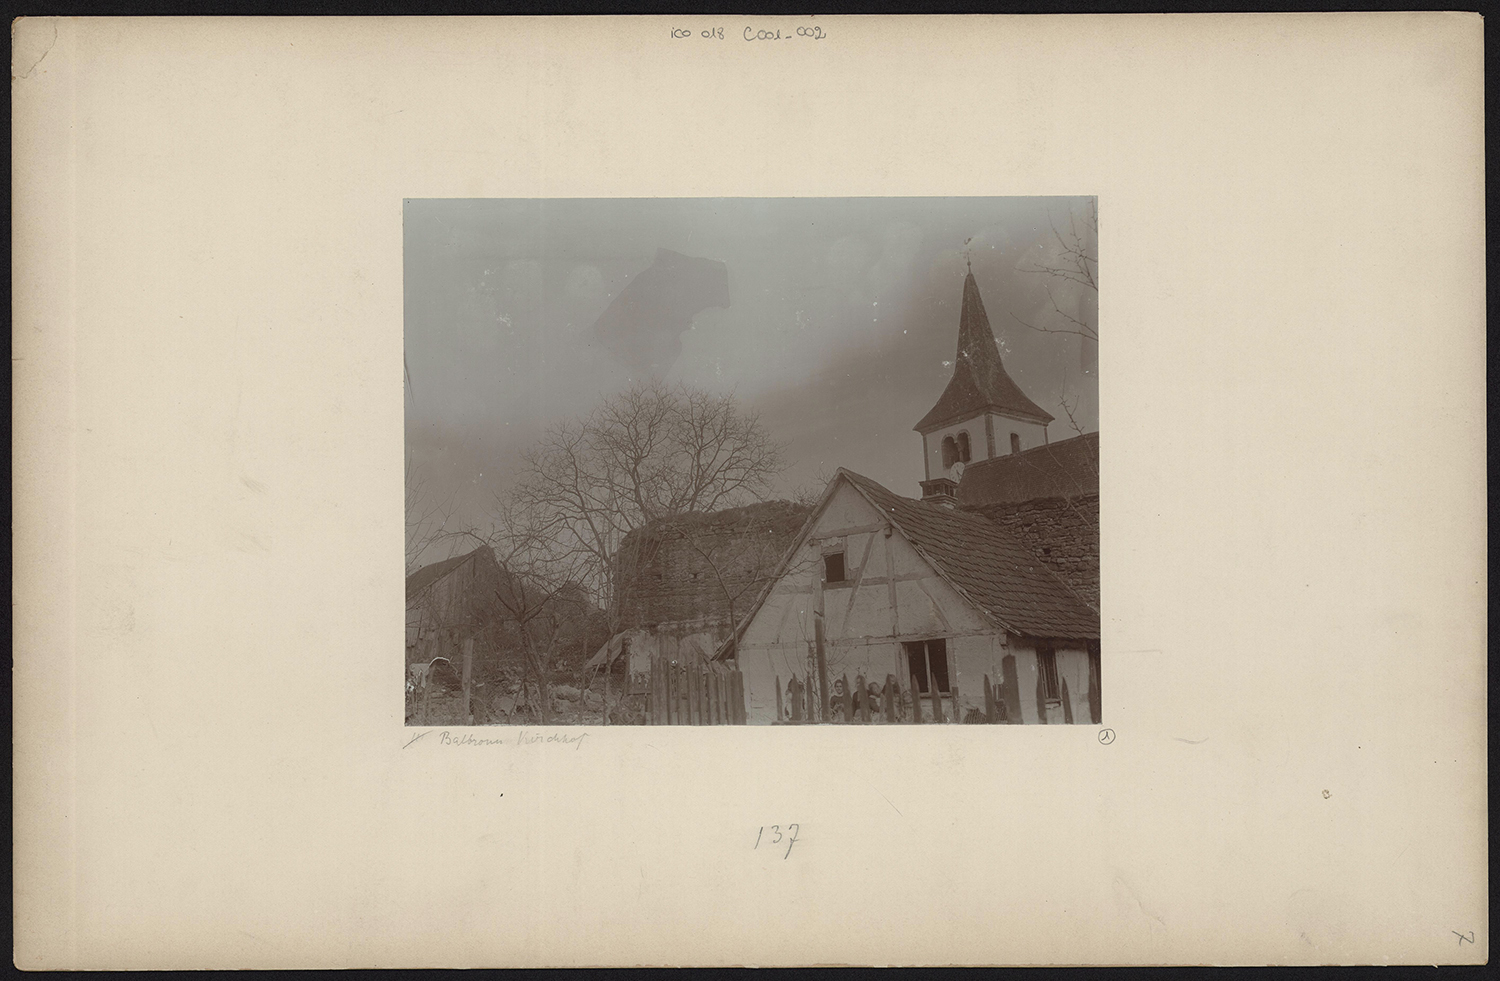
(810, 492)
(427, 515)
(534, 601)
(649, 453)
(1077, 262)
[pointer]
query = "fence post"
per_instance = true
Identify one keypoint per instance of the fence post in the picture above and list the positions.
(468, 676)
(916, 701)
(608, 667)
(823, 700)
(864, 698)
(660, 687)
(958, 712)
(937, 703)
(889, 698)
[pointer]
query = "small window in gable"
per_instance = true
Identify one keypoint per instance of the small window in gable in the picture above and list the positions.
(963, 447)
(833, 567)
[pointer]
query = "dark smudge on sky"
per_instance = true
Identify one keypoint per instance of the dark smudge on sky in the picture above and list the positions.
(838, 327)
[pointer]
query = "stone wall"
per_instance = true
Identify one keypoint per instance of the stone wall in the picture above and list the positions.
(1063, 533)
(694, 567)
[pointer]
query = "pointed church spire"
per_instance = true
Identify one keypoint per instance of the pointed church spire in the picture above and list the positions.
(979, 380)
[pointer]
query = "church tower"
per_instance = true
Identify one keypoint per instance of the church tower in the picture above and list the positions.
(981, 414)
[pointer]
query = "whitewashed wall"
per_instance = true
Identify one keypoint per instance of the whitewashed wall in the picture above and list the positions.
(1031, 433)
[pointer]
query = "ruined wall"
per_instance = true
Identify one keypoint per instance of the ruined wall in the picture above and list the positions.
(1062, 533)
(696, 567)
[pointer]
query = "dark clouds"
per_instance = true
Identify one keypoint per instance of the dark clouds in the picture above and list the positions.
(842, 315)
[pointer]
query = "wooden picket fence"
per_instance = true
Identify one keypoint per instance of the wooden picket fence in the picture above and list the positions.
(695, 694)
(797, 704)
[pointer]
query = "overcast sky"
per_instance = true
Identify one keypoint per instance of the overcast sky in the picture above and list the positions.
(840, 333)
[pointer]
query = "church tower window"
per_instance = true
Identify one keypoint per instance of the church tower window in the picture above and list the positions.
(1015, 442)
(963, 447)
(950, 452)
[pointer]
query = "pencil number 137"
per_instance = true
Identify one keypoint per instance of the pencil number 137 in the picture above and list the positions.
(771, 834)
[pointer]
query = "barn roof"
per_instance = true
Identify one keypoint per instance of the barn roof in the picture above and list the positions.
(429, 574)
(979, 379)
(1067, 468)
(986, 563)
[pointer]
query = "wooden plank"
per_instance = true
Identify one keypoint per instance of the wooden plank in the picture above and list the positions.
(695, 695)
(823, 706)
(937, 703)
(658, 693)
(916, 701)
(890, 573)
(608, 670)
(794, 690)
(846, 532)
(989, 701)
(1010, 689)
(859, 575)
(848, 699)
(889, 698)
(653, 694)
(716, 698)
(958, 712)
(864, 699)
(740, 708)
(468, 677)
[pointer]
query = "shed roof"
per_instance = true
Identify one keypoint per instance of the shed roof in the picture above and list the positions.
(979, 381)
(429, 574)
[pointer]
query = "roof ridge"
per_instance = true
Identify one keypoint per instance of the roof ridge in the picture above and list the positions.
(1038, 450)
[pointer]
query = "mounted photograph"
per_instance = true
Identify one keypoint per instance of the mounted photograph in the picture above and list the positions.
(730, 461)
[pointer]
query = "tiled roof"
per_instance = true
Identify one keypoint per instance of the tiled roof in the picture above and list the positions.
(979, 380)
(1062, 532)
(429, 574)
(1067, 468)
(997, 572)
